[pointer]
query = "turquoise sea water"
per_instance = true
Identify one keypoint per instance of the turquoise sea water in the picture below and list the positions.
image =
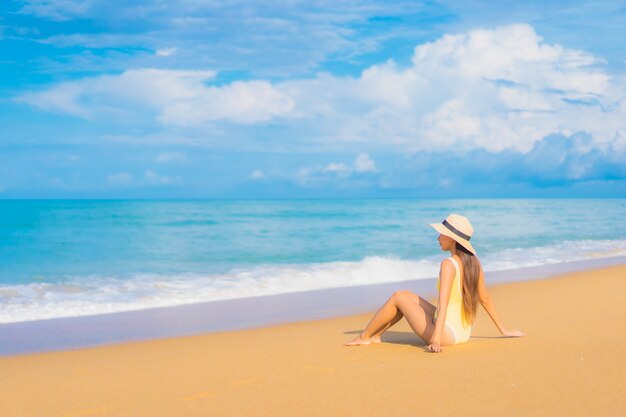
(67, 258)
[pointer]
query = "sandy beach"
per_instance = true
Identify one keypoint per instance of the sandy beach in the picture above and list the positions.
(571, 363)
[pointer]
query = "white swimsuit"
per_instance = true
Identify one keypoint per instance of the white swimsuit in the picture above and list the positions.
(454, 312)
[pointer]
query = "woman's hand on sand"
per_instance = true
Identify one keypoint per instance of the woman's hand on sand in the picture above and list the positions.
(512, 333)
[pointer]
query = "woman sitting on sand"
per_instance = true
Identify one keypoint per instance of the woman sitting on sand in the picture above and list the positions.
(461, 286)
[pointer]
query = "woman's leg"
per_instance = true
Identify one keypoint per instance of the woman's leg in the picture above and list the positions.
(400, 304)
(375, 338)
(428, 308)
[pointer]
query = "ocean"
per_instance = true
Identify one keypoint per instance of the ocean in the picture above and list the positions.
(67, 258)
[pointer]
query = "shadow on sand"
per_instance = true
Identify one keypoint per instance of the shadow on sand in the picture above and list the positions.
(400, 338)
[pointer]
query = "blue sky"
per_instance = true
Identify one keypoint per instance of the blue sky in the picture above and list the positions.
(282, 99)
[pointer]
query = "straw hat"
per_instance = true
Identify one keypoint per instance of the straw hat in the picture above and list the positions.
(458, 228)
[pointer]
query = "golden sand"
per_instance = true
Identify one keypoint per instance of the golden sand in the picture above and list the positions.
(572, 363)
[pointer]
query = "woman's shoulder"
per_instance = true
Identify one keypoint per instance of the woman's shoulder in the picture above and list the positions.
(454, 260)
(454, 263)
(448, 263)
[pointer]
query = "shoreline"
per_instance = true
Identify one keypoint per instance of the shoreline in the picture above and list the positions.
(70, 333)
(570, 363)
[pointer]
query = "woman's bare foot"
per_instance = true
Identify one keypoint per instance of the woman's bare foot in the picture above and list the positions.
(357, 341)
(375, 339)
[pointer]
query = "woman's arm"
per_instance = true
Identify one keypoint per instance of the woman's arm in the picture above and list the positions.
(485, 301)
(446, 278)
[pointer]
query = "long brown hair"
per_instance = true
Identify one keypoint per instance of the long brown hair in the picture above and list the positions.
(471, 273)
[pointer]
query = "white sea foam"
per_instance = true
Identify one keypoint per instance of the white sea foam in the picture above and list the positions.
(80, 296)
(98, 295)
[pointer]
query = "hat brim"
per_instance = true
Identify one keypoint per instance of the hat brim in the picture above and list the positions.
(446, 232)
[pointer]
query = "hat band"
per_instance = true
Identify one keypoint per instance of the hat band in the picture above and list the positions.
(455, 230)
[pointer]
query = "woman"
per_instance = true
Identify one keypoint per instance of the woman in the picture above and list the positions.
(461, 287)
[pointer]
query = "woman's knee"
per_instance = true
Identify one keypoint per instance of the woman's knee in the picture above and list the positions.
(400, 294)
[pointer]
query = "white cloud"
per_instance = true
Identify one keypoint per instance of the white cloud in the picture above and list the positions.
(165, 51)
(336, 168)
(57, 9)
(257, 174)
(61, 98)
(120, 179)
(280, 38)
(494, 89)
(152, 177)
(124, 179)
(97, 40)
(363, 167)
(514, 53)
(488, 88)
(176, 97)
(242, 102)
(145, 89)
(167, 157)
(364, 163)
